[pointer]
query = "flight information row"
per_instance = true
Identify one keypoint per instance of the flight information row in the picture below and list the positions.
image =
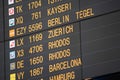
(55, 52)
(19, 20)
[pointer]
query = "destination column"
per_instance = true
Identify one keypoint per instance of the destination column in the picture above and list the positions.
(64, 54)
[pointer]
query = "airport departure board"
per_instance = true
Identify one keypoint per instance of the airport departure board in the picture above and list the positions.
(59, 39)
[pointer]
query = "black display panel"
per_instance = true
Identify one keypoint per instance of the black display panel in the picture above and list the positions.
(1, 21)
(2, 61)
(100, 38)
(49, 55)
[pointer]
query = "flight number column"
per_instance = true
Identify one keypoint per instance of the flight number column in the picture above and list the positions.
(22, 17)
(24, 57)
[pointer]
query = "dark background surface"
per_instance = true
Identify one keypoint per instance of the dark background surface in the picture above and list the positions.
(100, 45)
(2, 61)
(1, 21)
